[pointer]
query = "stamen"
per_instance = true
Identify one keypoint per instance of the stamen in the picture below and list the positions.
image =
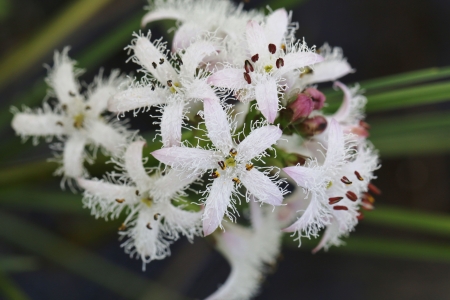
(352, 196)
(236, 180)
(59, 123)
(156, 216)
(368, 197)
(222, 165)
(64, 107)
(122, 227)
(367, 205)
(374, 189)
(215, 174)
(255, 58)
(120, 200)
(137, 193)
(153, 87)
(360, 216)
(169, 83)
(334, 200)
(161, 61)
(247, 78)
(233, 152)
(272, 48)
(360, 178)
(71, 94)
(364, 125)
(248, 167)
(248, 66)
(279, 63)
(283, 47)
(340, 207)
(87, 107)
(154, 65)
(180, 62)
(148, 226)
(345, 180)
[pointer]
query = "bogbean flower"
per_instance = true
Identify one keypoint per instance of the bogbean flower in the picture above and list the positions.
(176, 88)
(231, 165)
(260, 76)
(248, 250)
(153, 221)
(76, 119)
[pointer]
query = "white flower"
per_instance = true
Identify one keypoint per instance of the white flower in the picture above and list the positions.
(177, 85)
(248, 250)
(153, 222)
(76, 117)
(232, 163)
(260, 76)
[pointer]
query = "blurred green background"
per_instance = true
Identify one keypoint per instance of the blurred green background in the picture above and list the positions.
(50, 248)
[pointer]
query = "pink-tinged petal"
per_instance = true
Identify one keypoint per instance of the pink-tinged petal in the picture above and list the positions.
(195, 159)
(258, 141)
(41, 124)
(110, 138)
(171, 122)
(330, 237)
(104, 89)
(135, 167)
(185, 35)
(148, 54)
(298, 60)
(194, 55)
(62, 77)
(335, 145)
(162, 14)
(256, 215)
(217, 125)
(276, 26)
(328, 70)
(228, 78)
(135, 98)
(303, 176)
(217, 203)
(199, 89)
(345, 108)
(73, 156)
(173, 182)
(256, 39)
(266, 94)
(260, 186)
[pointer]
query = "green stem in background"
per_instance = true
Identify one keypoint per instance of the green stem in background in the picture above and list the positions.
(18, 263)
(10, 290)
(39, 241)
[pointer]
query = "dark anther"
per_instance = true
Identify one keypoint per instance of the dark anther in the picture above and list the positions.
(352, 196)
(255, 58)
(148, 226)
(374, 189)
(180, 62)
(248, 167)
(334, 200)
(87, 107)
(233, 152)
(71, 94)
(247, 78)
(358, 176)
(156, 216)
(248, 66)
(169, 83)
(280, 63)
(236, 180)
(222, 165)
(122, 227)
(137, 193)
(340, 207)
(154, 65)
(272, 48)
(64, 107)
(345, 180)
(161, 61)
(120, 200)
(153, 87)
(59, 123)
(215, 174)
(360, 216)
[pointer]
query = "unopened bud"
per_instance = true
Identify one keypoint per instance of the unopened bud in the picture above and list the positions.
(301, 107)
(317, 97)
(313, 126)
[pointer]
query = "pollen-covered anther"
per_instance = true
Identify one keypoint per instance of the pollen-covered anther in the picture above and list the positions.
(272, 48)
(340, 207)
(137, 192)
(334, 200)
(360, 178)
(248, 167)
(352, 196)
(236, 180)
(161, 61)
(283, 47)
(122, 227)
(346, 180)
(215, 174)
(368, 197)
(156, 216)
(148, 226)
(71, 94)
(279, 63)
(154, 65)
(87, 107)
(169, 83)
(306, 71)
(59, 123)
(120, 200)
(247, 78)
(255, 58)
(248, 66)
(222, 165)
(233, 152)
(374, 189)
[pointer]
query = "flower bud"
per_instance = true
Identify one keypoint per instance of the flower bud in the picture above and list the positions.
(313, 126)
(317, 97)
(301, 107)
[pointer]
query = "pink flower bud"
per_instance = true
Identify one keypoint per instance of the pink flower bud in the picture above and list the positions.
(313, 126)
(301, 107)
(317, 97)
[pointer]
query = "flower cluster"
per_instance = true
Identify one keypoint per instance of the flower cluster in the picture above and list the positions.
(242, 129)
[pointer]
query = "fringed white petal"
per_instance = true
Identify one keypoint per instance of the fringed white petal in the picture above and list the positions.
(331, 237)
(110, 138)
(39, 124)
(217, 203)
(228, 78)
(303, 176)
(135, 98)
(161, 14)
(199, 89)
(135, 167)
(266, 94)
(171, 123)
(257, 142)
(195, 159)
(256, 39)
(260, 186)
(217, 125)
(171, 184)
(73, 156)
(188, 223)
(328, 70)
(194, 55)
(276, 26)
(103, 90)
(184, 36)
(298, 60)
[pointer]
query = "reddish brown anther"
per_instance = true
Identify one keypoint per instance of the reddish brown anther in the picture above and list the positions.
(279, 63)
(340, 207)
(364, 125)
(255, 58)
(360, 178)
(374, 189)
(272, 48)
(360, 216)
(247, 78)
(368, 197)
(248, 66)
(346, 180)
(352, 196)
(334, 200)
